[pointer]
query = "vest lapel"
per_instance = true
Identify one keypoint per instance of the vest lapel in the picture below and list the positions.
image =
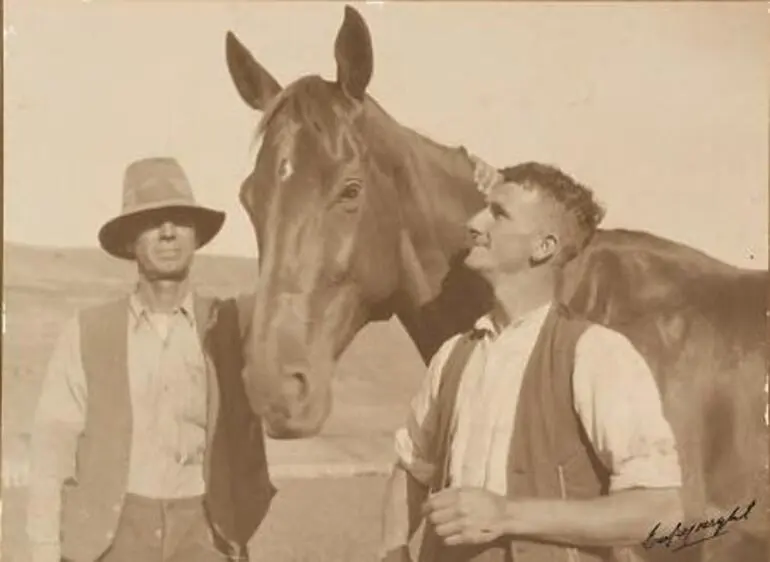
(104, 450)
(204, 318)
(202, 308)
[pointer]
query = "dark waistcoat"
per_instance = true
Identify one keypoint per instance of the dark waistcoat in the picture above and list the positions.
(550, 456)
(238, 487)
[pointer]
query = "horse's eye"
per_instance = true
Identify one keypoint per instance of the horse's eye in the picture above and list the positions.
(285, 169)
(351, 191)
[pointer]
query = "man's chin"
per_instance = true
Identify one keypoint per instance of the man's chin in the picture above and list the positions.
(172, 274)
(474, 261)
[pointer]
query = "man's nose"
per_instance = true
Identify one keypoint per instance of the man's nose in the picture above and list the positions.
(476, 226)
(167, 230)
(474, 233)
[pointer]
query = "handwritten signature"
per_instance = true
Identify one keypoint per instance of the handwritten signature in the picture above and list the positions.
(685, 532)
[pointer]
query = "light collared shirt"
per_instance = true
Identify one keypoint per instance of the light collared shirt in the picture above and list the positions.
(167, 381)
(615, 397)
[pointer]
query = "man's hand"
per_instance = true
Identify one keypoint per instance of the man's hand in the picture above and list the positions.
(466, 515)
(485, 175)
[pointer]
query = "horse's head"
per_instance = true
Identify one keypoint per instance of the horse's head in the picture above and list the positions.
(331, 226)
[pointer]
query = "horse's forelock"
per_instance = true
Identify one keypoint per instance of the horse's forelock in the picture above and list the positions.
(315, 104)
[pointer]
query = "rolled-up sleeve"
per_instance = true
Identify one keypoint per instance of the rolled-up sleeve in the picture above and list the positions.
(619, 404)
(58, 422)
(414, 441)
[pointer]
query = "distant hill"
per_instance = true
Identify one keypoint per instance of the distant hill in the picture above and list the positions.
(77, 269)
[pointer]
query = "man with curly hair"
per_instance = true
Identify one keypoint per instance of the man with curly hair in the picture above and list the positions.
(537, 436)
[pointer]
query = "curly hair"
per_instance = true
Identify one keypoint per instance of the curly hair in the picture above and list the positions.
(582, 212)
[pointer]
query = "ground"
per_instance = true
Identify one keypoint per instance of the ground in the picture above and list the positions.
(330, 487)
(318, 520)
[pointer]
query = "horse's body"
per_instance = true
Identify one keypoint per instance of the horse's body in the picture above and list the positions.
(701, 326)
(359, 218)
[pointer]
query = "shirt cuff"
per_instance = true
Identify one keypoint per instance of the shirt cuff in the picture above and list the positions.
(45, 552)
(658, 471)
(43, 524)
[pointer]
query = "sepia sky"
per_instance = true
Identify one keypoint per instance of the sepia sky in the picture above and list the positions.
(662, 108)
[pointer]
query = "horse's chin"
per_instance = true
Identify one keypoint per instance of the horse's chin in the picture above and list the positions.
(281, 427)
(290, 414)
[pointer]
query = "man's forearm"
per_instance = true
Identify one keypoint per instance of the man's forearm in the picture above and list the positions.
(621, 519)
(402, 510)
(44, 518)
(51, 458)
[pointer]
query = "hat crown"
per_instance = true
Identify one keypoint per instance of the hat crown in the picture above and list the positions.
(151, 185)
(154, 181)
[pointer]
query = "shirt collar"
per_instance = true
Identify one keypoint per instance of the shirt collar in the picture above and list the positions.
(141, 311)
(486, 327)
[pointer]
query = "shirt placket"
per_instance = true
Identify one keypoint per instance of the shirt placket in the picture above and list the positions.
(182, 401)
(505, 370)
(147, 355)
(169, 413)
(492, 394)
(161, 426)
(465, 441)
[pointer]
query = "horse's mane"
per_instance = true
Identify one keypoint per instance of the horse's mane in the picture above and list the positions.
(319, 105)
(400, 137)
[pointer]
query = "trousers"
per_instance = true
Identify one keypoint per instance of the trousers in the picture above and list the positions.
(156, 530)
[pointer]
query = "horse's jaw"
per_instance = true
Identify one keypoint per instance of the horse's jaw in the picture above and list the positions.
(286, 413)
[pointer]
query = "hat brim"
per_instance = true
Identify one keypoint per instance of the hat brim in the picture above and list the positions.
(116, 235)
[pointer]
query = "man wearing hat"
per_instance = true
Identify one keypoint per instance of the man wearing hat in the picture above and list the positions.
(144, 446)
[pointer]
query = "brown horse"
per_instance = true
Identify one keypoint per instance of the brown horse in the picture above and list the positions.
(359, 218)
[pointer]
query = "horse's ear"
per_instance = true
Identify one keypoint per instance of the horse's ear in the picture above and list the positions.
(353, 53)
(255, 84)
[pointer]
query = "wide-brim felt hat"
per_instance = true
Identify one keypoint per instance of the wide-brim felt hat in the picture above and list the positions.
(156, 186)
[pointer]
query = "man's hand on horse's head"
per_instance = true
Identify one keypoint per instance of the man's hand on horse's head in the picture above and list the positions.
(484, 174)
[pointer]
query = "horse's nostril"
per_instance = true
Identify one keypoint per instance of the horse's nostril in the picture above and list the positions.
(296, 386)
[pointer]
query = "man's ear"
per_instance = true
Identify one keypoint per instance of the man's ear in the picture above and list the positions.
(545, 248)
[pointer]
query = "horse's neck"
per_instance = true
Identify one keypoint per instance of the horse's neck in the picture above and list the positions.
(437, 196)
(463, 298)
(433, 180)
(460, 296)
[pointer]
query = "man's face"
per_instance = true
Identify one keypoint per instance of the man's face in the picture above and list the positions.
(514, 230)
(165, 246)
